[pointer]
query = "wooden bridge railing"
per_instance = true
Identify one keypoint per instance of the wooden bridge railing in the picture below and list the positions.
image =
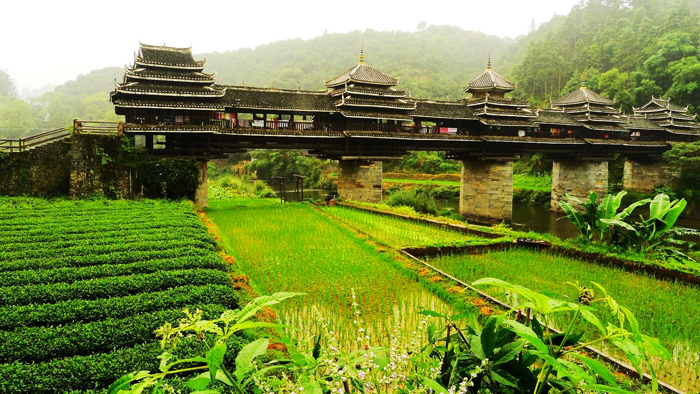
(97, 127)
(79, 127)
(23, 144)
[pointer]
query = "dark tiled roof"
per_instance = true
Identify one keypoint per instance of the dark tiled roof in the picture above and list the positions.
(495, 111)
(658, 103)
(200, 104)
(554, 117)
(375, 115)
(374, 91)
(501, 101)
(489, 80)
(598, 141)
(670, 115)
(559, 141)
(160, 89)
(592, 108)
(173, 75)
(679, 123)
(641, 123)
(261, 98)
(507, 122)
(581, 96)
(605, 127)
(592, 117)
(167, 57)
(368, 102)
(362, 73)
(437, 109)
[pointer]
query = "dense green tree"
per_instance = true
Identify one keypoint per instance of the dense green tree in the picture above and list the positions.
(16, 119)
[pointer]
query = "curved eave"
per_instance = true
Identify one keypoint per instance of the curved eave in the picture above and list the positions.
(172, 94)
(469, 89)
(353, 80)
(297, 110)
(499, 114)
(361, 93)
(171, 66)
(164, 79)
(122, 105)
(407, 119)
(346, 104)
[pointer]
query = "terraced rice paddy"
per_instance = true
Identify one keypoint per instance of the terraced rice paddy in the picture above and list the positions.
(83, 285)
(296, 248)
(667, 310)
(400, 233)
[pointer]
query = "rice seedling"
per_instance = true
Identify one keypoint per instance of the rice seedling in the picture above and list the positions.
(295, 248)
(400, 233)
(667, 310)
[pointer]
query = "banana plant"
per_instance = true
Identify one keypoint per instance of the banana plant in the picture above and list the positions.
(657, 229)
(594, 221)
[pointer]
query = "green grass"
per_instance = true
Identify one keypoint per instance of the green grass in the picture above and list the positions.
(296, 248)
(667, 310)
(400, 233)
(520, 182)
(83, 285)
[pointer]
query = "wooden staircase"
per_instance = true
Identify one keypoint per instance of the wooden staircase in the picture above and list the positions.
(79, 127)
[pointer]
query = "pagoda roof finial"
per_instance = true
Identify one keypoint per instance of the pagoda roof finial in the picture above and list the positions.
(362, 54)
(583, 80)
(488, 63)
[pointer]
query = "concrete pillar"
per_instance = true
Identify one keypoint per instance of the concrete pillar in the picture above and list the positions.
(644, 177)
(201, 196)
(486, 192)
(360, 180)
(577, 178)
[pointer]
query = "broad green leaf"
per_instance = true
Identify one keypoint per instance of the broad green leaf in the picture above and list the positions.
(620, 223)
(312, 387)
(597, 368)
(593, 319)
(605, 389)
(316, 352)
(634, 325)
(503, 380)
(488, 336)
(206, 392)
(526, 333)
(476, 347)
(244, 361)
(574, 216)
(654, 347)
(215, 357)
(199, 382)
(122, 383)
(508, 352)
(659, 205)
(628, 211)
(673, 213)
(632, 352)
(432, 314)
(437, 388)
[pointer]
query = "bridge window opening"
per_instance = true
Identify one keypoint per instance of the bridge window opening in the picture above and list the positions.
(159, 141)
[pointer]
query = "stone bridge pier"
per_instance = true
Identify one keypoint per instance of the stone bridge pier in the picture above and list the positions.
(577, 178)
(645, 176)
(486, 190)
(201, 195)
(360, 180)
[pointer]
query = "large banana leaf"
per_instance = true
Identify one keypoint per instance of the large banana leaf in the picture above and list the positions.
(659, 206)
(628, 211)
(574, 216)
(608, 208)
(616, 222)
(672, 215)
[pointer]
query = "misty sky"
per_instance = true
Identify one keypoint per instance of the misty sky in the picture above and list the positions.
(54, 41)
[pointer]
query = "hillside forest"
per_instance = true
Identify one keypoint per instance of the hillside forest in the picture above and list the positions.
(628, 50)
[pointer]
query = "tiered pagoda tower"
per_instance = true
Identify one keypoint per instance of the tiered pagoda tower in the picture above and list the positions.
(595, 113)
(365, 95)
(673, 118)
(167, 86)
(501, 115)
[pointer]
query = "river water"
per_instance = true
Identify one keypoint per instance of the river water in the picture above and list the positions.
(525, 217)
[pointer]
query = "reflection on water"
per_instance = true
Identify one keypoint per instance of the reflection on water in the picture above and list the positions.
(529, 217)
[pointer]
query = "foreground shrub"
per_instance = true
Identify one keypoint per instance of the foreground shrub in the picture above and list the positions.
(513, 352)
